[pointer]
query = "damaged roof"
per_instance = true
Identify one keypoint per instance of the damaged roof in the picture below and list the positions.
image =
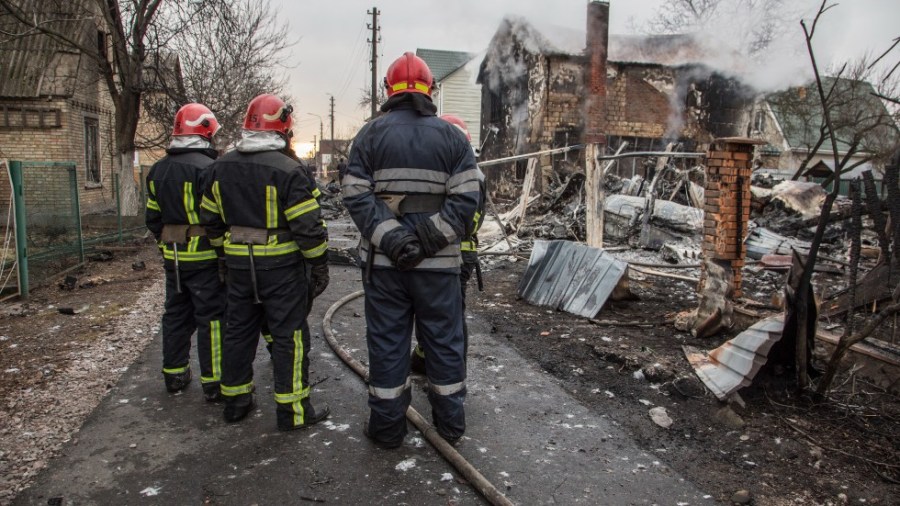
(667, 49)
(443, 63)
(571, 277)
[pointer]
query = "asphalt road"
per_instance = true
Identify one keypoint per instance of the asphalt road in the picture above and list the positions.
(532, 440)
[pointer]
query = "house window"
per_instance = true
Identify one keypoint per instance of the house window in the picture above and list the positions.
(521, 168)
(495, 107)
(759, 122)
(92, 150)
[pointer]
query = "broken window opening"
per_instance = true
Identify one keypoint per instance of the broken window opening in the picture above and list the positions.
(759, 122)
(92, 150)
(521, 167)
(495, 106)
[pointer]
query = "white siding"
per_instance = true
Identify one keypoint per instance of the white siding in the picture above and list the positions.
(460, 95)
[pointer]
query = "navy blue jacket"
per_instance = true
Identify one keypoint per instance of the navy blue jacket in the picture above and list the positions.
(406, 153)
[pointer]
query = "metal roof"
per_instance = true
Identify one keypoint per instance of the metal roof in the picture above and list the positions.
(569, 276)
(443, 63)
(733, 365)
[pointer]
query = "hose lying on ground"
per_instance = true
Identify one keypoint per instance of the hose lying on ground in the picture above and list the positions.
(488, 490)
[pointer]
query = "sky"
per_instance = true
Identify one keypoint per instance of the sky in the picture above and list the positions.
(330, 56)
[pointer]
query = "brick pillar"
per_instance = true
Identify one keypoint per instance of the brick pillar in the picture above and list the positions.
(597, 42)
(726, 215)
(727, 206)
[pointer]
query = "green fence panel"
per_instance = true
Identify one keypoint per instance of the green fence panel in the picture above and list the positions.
(52, 213)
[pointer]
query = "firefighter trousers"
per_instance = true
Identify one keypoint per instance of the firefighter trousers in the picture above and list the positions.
(283, 296)
(199, 307)
(394, 300)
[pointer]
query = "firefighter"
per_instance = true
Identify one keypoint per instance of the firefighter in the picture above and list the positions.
(195, 295)
(259, 206)
(411, 188)
(469, 249)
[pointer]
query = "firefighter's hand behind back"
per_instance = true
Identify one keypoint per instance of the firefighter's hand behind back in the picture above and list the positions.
(319, 279)
(411, 254)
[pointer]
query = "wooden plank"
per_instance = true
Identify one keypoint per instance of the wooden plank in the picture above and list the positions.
(594, 197)
(530, 174)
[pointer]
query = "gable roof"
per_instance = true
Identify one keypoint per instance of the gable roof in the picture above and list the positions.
(856, 109)
(443, 63)
(36, 65)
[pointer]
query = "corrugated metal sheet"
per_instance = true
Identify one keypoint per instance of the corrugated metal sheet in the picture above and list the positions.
(571, 277)
(762, 241)
(733, 365)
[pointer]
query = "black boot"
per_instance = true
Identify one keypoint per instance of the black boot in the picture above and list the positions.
(384, 445)
(212, 392)
(177, 382)
(311, 416)
(238, 407)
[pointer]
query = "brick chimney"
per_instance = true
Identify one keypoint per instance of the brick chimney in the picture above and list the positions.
(597, 42)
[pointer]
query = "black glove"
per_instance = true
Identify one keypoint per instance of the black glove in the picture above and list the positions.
(223, 271)
(431, 238)
(410, 255)
(318, 280)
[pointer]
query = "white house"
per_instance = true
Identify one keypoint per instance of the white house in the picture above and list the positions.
(456, 91)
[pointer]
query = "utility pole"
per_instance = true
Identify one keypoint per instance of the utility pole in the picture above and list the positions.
(376, 38)
(332, 122)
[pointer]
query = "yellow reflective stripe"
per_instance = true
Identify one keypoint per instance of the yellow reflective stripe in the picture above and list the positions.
(402, 85)
(468, 246)
(218, 242)
(316, 193)
(246, 388)
(218, 196)
(261, 250)
(292, 397)
(324, 225)
(189, 203)
(176, 370)
(215, 346)
(209, 205)
(317, 251)
(267, 338)
(152, 204)
(193, 244)
(300, 209)
(297, 383)
(271, 207)
(189, 256)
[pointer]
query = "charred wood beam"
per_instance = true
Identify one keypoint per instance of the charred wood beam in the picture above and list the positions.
(526, 156)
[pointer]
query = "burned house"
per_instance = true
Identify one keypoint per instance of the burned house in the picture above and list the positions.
(549, 87)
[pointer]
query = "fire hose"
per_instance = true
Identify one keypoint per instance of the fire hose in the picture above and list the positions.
(481, 484)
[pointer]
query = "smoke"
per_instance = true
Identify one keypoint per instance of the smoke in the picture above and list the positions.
(506, 70)
(758, 42)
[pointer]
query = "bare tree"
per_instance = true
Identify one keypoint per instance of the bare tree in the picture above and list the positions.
(864, 127)
(805, 322)
(365, 97)
(753, 24)
(137, 29)
(235, 54)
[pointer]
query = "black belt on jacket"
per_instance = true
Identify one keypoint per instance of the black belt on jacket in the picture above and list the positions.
(406, 204)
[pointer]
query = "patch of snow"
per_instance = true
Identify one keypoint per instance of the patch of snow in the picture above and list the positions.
(405, 465)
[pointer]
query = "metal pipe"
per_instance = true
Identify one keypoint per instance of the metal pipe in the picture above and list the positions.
(530, 155)
(652, 153)
(18, 188)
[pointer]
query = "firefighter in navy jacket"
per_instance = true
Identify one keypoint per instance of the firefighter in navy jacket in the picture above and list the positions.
(469, 249)
(259, 206)
(195, 296)
(411, 187)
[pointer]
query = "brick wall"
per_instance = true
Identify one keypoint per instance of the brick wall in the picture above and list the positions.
(637, 102)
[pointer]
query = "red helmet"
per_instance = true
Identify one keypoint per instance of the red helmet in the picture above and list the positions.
(269, 113)
(458, 123)
(195, 119)
(408, 74)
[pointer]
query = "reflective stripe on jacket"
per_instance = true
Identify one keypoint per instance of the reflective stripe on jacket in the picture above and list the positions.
(174, 191)
(405, 153)
(264, 190)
